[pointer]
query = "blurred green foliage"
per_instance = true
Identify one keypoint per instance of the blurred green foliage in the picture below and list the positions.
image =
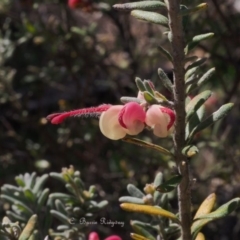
(55, 59)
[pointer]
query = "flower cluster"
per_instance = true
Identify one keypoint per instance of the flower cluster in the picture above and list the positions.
(116, 121)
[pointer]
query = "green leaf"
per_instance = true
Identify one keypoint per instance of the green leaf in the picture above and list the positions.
(197, 63)
(158, 179)
(20, 181)
(191, 72)
(61, 217)
(131, 200)
(165, 80)
(149, 98)
(29, 194)
(222, 211)
(134, 191)
(206, 76)
(197, 102)
(149, 86)
(219, 114)
(39, 183)
(142, 231)
(140, 84)
(196, 40)
(169, 185)
(142, 5)
(42, 198)
(29, 228)
(190, 150)
(60, 207)
(195, 9)
(147, 145)
(130, 99)
(151, 17)
(165, 53)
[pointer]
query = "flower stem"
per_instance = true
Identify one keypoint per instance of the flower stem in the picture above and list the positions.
(177, 42)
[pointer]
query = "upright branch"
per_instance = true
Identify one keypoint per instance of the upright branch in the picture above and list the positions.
(177, 42)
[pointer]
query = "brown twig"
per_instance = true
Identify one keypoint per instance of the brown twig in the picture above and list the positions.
(177, 42)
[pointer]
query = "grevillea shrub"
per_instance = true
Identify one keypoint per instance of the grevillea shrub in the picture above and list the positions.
(179, 117)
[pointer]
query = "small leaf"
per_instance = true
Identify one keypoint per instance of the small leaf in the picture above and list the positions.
(140, 84)
(170, 184)
(191, 72)
(142, 231)
(165, 80)
(131, 200)
(197, 8)
(196, 40)
(197, 102)
(149, 98)
(158, 179)
(142, 5)
(29, 228)
(130, 99)
(206, 206)
(206, 76)
(61, 217)
(151, 17)
(147, 145)
(222, 211)
(190, 151)
(135, 236)
(149, 86)
(197, 63)
(134, 191)
(165, 53)
(219, 114)
(29, 194)
(151, 210)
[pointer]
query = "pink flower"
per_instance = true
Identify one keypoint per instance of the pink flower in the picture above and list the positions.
(94, 236)
(160, 119)
(120, 120)
(117, 121)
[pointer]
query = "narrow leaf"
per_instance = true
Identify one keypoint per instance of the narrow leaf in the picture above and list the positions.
(170, 184)
(147, 145)
(130, 99)
(151, 17)
(134, 191)
(197, 8)
(165, 80)
(206, 76)
(197, 102)
(29, 228)
(131, 200)
(142, 231)
(165, 53)
(135, 236)
(61, 217)
(219, 114)
(149, 86)
(151, 210)
(142, 5)
(222, 211)
(196, 40)
(140, 84)
(158, 179)
(197, 63)
(149, 98)
(206, 206)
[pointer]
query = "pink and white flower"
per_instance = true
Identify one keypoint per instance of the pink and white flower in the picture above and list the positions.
(94, 236)
(116, 121)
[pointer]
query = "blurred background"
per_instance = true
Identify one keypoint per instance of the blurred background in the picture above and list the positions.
(55, 58)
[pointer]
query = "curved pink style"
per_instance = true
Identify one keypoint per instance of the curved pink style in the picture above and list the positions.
(160, 119)
(57, 118)
(120, 120)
